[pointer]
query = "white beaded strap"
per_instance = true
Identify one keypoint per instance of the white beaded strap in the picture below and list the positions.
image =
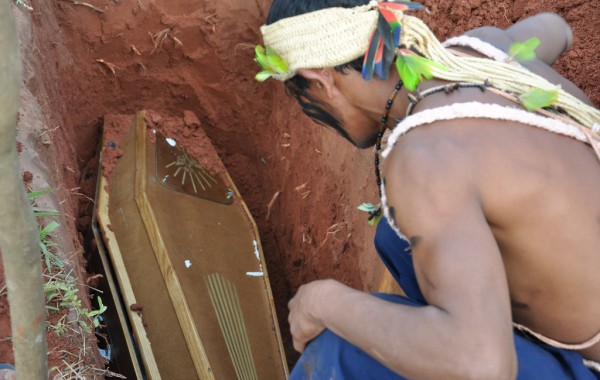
(564, 346)
(386, 213)
(479, 46)
(487, 111)
(480, 110)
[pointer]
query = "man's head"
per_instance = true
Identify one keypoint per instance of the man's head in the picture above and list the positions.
(281, 9)
(315, 101)
(316, 47)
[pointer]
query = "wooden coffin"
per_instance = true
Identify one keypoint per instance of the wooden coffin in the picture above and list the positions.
(189, 265)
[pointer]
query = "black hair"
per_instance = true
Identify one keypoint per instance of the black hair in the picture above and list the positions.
(281, 9)
(298, 86)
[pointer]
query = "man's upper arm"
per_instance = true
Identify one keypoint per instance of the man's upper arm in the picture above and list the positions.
(435, 202)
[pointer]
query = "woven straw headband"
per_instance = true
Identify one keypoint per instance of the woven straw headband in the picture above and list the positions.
(324, 38)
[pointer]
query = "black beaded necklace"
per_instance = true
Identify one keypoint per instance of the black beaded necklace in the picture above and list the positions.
(384, 119)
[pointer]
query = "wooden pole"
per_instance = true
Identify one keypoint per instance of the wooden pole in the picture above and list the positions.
(18, 229)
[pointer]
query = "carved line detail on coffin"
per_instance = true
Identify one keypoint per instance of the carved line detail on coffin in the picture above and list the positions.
(177, 171)
(228, 309)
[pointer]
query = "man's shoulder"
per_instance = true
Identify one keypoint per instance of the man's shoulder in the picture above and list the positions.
(437, 150)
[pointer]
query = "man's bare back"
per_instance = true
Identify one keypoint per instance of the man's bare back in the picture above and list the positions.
(539, 194)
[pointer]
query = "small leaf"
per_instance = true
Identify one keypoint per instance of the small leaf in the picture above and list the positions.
(48, 229)
(39, 212)
(375, 220)
(524, 51)
(538, 98)
(102, 308)
(34, 194)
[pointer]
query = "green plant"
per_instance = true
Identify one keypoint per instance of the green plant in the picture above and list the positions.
(60, 327)
(37, 211)
(62, 293)
(45, 242)
(94, 314)
(61, 289)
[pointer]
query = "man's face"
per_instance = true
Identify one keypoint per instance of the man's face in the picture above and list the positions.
(350, 128)
(340, 110)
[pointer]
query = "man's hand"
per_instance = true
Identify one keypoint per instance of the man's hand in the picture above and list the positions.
(306, 312)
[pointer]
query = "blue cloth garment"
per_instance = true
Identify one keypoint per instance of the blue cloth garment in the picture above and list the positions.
(329, 357)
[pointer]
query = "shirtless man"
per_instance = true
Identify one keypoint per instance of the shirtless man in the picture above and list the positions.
(503, 219)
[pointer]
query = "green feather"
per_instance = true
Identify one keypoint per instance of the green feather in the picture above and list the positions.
(538, 98)
(276, 62)
(260, 58)
(271, 63)
(413, 68)
(263, 76)
(524, 51)
(374, 220)
(367, 207)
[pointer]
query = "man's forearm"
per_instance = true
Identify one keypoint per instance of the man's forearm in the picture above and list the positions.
(416, 342)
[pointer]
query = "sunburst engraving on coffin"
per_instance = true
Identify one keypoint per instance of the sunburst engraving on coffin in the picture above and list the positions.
(177, 171)
(193, 170)
(228, 309)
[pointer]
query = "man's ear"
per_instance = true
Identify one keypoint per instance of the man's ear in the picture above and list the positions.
(321, 78)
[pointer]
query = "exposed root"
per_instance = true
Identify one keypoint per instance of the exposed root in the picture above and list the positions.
(48, 130)
(331, 231)
(305, 193)
(244, 46)
(177, 41)
(93, 7)
(74, 191)
(158, 39)
(135, 50)
(270, 205)
(213, 25)
(111, 66)
(80, 370)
